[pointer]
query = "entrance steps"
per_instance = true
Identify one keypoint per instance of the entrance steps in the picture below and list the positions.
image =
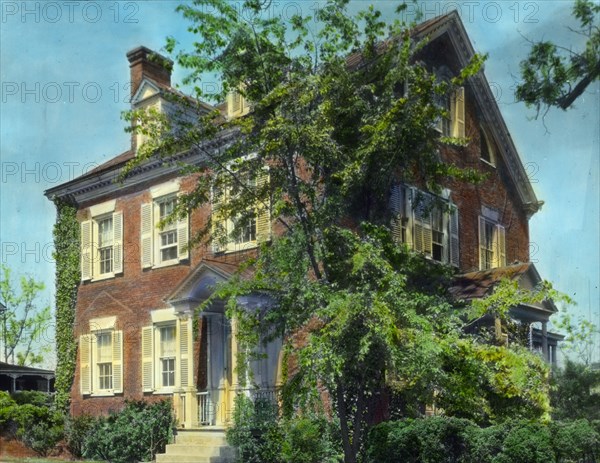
(198, 446)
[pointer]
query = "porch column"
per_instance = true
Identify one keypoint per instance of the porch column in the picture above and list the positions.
(545, 341)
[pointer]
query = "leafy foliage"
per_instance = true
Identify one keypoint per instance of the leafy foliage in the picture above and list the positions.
(575, 392)
(136, 433)
(33, 418)
(66, 256)
(23, 323)
(452, 440)
(333, 129)
(553, 75)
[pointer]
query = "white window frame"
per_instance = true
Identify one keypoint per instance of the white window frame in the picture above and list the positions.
(151, 234)
(91, 247)
(260, 219)
(90, 362)
(485, 139)
(492, 249)
(413, 224)
(152, 358)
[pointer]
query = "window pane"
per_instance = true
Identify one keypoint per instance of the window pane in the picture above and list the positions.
(105, 243)
(105, 375)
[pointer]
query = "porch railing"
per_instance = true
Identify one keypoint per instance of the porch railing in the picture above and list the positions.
(206, 409)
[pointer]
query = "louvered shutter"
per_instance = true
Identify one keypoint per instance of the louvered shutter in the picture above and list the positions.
(263, 210)
(117, 361)
(86, 250)
(501, 246)
(118, 242)
(184, 353)
(422, 224)
(458, 113)
(85, 363)
(148, 358)
(146, 235)
(454, 238)
(183, 238)
(217, 220)
(397, 207)
(482, 243)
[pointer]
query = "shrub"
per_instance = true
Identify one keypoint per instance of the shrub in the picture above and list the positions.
(6, 409)
(76, 431)
(527, 443)
(138, 432)
(574, 441)
(310, 440)
(255, 432)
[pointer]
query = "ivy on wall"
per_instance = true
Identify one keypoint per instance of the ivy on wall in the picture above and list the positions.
(66, 257)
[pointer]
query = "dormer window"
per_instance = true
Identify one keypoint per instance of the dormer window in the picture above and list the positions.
(237, 105)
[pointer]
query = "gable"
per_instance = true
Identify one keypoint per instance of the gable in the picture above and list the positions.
(147, 89)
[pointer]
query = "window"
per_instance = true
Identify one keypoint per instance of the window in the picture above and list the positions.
(425, 223)
(454, 105)
(101, 243)
(166, 245)
(492, 244)
(101, 362)
(486, 148)
(237, 105)
(245, 230)
(166, 353)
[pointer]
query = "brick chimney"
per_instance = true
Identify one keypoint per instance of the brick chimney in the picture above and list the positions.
(144, 62)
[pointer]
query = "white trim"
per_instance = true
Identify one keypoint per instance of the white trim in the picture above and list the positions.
(103, 208)
(165, 188)
(104, 323)
(144, 84)
(490, 214)
(163, 315)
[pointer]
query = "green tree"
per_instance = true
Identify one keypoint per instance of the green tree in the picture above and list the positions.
(555, 75)
(331, 138)
(23, 321)
(579, 344)
(575, 392)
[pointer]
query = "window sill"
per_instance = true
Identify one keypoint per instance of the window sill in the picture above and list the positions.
(488, 163)
(168, 391)
(241, 247)
(101, 394)
(168, 263)
(105, 276)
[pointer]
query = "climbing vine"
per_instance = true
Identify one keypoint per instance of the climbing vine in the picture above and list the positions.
(66, 256)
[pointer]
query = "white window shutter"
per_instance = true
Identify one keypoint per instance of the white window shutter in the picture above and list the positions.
(146, 235)
(263, 210)
(85, 363)
(86, 250)
(148, 358)
(458, 113)
(482, 241)
(118, 242)
(501, 245)
(422, 224)
(183, 230)
(397, 207)
(184, 354)
(117, 361)
(454, 246)
(217, 221)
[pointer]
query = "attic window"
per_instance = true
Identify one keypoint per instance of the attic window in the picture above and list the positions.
(485, 148)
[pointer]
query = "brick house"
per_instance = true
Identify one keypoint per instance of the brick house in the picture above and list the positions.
(138, 337)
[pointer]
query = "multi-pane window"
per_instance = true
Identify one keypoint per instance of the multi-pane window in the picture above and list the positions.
(101, 244)
(167, 354)
(425, 223)
(104, 360)
(243, 230)
(168, 234)
(101, 361)
(105, 245)
(453, 124)
(492, 244)
(161, 242)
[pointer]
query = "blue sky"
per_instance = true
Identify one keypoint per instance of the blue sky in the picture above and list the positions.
(64, 78)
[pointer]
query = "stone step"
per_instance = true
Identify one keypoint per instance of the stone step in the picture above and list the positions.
(164, 458)
(215, 438)
(198, 449)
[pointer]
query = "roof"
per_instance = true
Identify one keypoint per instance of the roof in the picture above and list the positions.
(476, 285)
(23, 370)
(449, 24)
